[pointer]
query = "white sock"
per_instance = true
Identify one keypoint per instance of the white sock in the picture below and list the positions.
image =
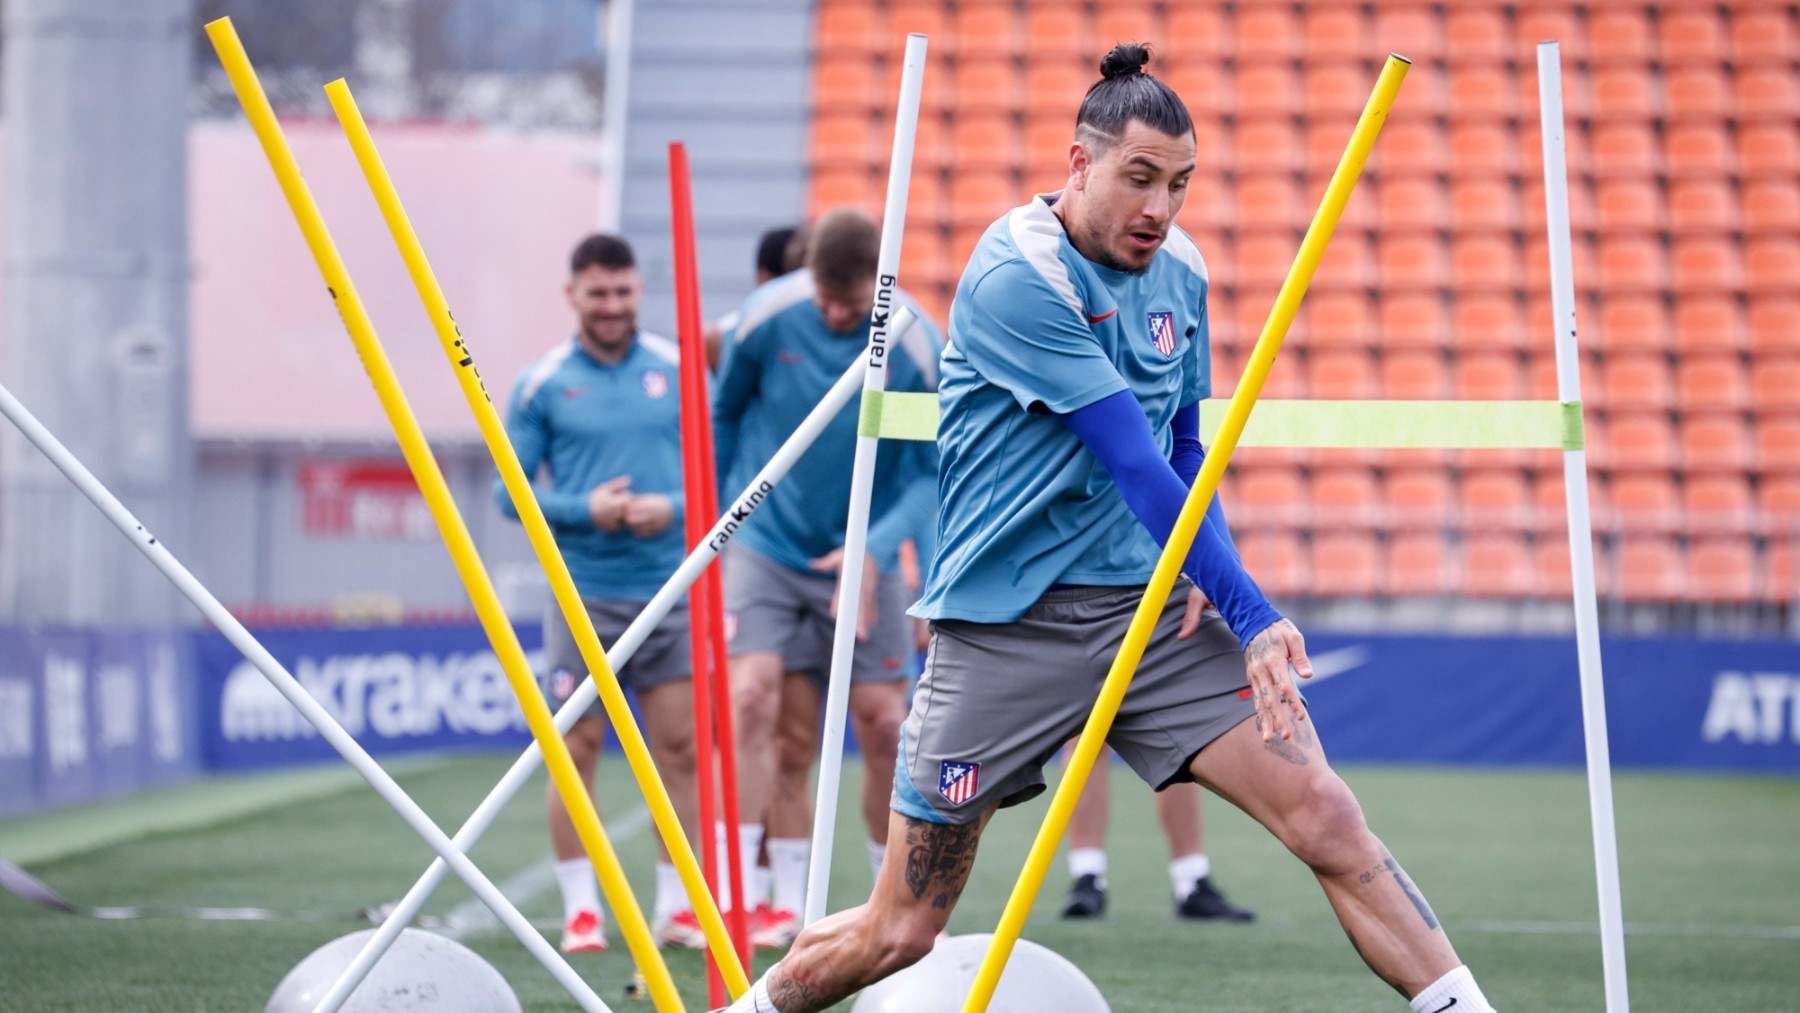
(1185, 871)
(788, 859)
(756, 884)
(1088, 862)
(580, 890)
(756, 1000)
(671, 896)
(877, 855)
(1456, 989)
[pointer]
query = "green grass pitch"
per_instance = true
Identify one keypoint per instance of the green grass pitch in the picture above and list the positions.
(1711, 881)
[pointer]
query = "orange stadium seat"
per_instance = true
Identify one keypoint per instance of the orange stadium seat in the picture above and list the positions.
(1047, 140)
(1622, 149)
(1198, 33)
(1550, 505)
(1767, 149)
(1406, 147)
(930, 17)
(1698, 149)
(1277, 560)
(1703, 205)
(1336, 33)
(1125, 21)
(1775, 385)
(1274, 497)
(1416, 498)
(1619, 34)
(843, 140)
(1650, 570)
(1714, 443)
(1770, 206)
(1251, 311)
(1635, 383)
(1479, 91)
(1266, 146)
(1054, 30)
(1707, 264)
(1476, 33)
(1347, 262)
(1494, 500)
(1485, 263)
(1691, 36)
(987, 31)
(1340, 319)
(1634, 442)
(1629, 205)
(1340, 376)
(1413, 320)
(1776, 577)
(1777, 445)
(985, 86)
(1643, 503)
(1487, 321)
(1345, 498)
(1697, 92)
(1540, 376)
(1633, 323)
(1411, 261)
(1412, 30)
(1496, 566)
(1721, 570)
(1269, 202)
(1263, 257)
(1345, 565)
(1537, 264)
(1717, 505)
(1268, 31)
(1778, 505)
(1410, 203)
(1625, 93)
(1204, 86)
(977, 198)
(854, 186)
(1766, 93)
(1336, 88)
(1551, 574)
(1414, 376)
(1709, 323)
(1484, 205)
(1771, 264)
(1488, 376)
(931, 145)
(1266, 88)
(925, 257)
(1546, 22)
(1762, 37)
(1581, 205)
(1712, 383)
(1418, 565)
(850, 29)
(1631, 264)
(1774, 327)
(846, 83)
(1481, 148)
(986, 142)
(1054, 85)
(1211, 205)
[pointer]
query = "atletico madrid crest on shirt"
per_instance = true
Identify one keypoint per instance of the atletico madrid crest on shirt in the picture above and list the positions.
(956, 780)
(1162, 332)
(656, 384)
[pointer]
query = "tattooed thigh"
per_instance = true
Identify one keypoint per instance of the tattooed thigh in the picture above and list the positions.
(938, 860)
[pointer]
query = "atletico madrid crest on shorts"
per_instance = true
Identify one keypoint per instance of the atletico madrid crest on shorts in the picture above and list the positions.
(1162, 332)
(956, 780)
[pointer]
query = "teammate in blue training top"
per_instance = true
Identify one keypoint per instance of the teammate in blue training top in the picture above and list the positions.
(601, 414)
(1071, 389)
(797, 335)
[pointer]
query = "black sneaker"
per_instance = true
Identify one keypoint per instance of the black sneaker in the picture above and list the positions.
(1203, 901)
(1087, 898)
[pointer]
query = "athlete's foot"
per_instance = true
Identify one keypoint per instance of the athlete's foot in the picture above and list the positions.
(1087, 898)
(773, 928)
(583, 933)
(682, 930)
(1204, 901)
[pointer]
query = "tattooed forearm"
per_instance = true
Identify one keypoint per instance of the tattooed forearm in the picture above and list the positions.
(794, 992)
(938, 860)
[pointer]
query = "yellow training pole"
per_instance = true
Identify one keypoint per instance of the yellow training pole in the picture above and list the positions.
(1162, 581)
(443, 510)
(518, 486)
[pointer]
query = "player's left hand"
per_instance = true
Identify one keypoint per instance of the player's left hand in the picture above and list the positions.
(1266, 660)
(649, 514)
(1196, 604)
(833, 562)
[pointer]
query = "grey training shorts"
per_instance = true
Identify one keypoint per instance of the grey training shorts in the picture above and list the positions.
(999, 699)
(664, 657)
(770, 608)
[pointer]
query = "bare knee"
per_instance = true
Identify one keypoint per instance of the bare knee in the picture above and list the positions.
(1327, 830)
(755, 696)
(878, 728)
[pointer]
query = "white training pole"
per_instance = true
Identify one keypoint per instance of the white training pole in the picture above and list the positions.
(1581, 538)
(862, 478)
(621, 652)
(334, 733)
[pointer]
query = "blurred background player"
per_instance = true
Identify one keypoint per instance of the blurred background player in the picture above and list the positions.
(1190, 869)
(601, 416)
(779, 251)
(795, 339)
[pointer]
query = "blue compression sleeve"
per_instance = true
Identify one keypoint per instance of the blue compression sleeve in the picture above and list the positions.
(1115, 430)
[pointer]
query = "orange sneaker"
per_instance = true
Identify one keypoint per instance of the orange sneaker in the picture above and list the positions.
(584, 934)
(682, 930)
(773, 928)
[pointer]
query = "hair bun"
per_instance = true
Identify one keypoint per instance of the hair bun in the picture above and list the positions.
(1126, 59)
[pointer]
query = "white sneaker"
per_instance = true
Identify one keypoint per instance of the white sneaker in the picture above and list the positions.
(682, 930)
(773, 928)
(584, 933)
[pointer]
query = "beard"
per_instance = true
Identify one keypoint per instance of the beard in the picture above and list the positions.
(1105, 257)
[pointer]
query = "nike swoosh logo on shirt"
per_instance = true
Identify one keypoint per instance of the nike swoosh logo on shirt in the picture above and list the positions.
(1104, 316)
(1445, 1006)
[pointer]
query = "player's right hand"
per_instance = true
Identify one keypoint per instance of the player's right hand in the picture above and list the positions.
(607, 503)
(1266, 661)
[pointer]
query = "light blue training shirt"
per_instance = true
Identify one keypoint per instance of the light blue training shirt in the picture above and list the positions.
(778, 363)
(586, 422)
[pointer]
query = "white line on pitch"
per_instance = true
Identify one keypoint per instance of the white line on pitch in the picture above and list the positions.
(472, 917)
(1534, 928)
